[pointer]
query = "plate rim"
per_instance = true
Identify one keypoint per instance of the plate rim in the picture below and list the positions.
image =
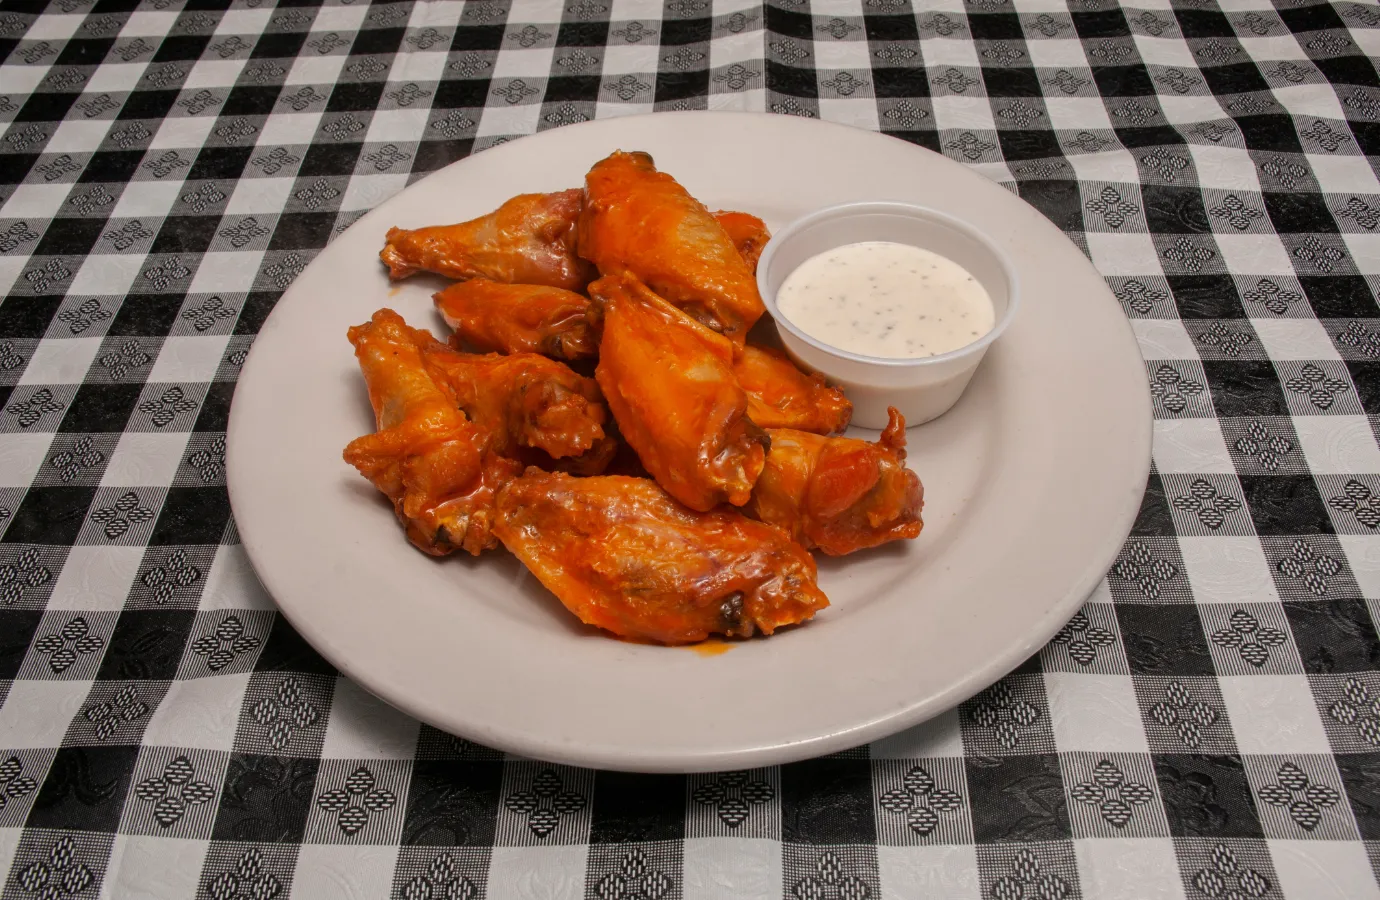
(523, 743)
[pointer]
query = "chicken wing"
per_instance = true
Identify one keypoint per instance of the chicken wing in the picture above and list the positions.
(747, 232)
(639, 220)
(528, 240)
(781, 396)
(669, 383)
(519, 318)
(624, 556)
(526, 401)
(427, 457)
(840, 494)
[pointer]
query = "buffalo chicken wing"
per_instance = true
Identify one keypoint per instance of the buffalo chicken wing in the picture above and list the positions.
(642, 221)
(528, 240)
(781, 396)
(622, 555)
(669, 383)
(747, 232)
(519, 318)
(432, 462)
(840, 494)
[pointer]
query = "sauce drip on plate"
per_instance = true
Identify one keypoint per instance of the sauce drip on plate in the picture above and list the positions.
(880, 298)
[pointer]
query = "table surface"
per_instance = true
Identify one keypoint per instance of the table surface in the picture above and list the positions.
(1208, 726)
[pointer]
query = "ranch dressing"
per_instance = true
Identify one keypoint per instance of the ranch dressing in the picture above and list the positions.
(879, 298)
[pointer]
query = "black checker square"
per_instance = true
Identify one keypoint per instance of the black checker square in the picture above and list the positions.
(85, 789)
(1206, 297)
(1060, 201)
(265, 799)
(453, 803)
(1206, 796)
(192, 515)
(1174, 210)
(17, 628)
(827, 801)
(1285, 504)
(1041, 814)
(1361, 778)
(286, 651)
(1299, 212)
(1245, 388)
(146, 645)
(50, 515)
(1154, 517)
(635, 808)
(101, 408)
(1334, 636)
(186, 234)
(900, 82)
(1164, 639)
(890, 28)
(1365, 375)
(1331, 296)
(1269, 133)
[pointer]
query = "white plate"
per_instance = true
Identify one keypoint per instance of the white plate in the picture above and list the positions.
(1031, 484)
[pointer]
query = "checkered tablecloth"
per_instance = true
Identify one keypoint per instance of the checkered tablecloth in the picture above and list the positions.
(1207, 727)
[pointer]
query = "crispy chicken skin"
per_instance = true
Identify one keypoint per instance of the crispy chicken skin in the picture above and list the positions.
(747, 232)
(669, 382)
(518, 318)
(528, 240)
(840, 494)
(624, 556)
(526, 401)
(642, 221)
(782, 396)
(433, 463)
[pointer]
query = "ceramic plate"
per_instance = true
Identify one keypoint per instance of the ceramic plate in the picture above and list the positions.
(1031, 484)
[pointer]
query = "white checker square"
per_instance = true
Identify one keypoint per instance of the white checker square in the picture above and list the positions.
(1368, 40)
(1117, 166)
(259, 195)
(955, 112)
(362, 726)
(209, 73)
(437, 12)
(1307, 102)
(38, 200)
(338, 18)
(61, 361)
(184, 132)
(116, 76)
(9, 843)
(537, 873)
(189, 358)
(1164, 51)
(533, 63)
(1163, 338)
(106, 274)
(628, 10)
(315, 70)
(397, 124)
(1365, 252)
(10, 267)
(53, 27)
(226, 271)
(145, 866)
(1226, 569)
(96, 578)
(1273, 714)
(1058, 54)
(287, 128)
(842, 55)
(74, 136)
(368, 191)
(36, 713)
(22, 79)
(1257, 254)
(232, 584)
(244, 21)
(1097, 713)
(147, 200)
(1227, 168)
(338, 871)
(146, 23)
(948, 52)
(641, 59)
(1338, 445)
(1343, 174)
(1123, 254)
(198, 714)
(142, 459)
(740, 101)
(850, 112)
(1272, 47)
(1363, 555)
(1324, 870)
(1128, 869)
(497, 120)
(939, 736)
(1286, 339)
(21, 456)
(1082, 114)
(1190, 446)
(420, 65)
(730, 868)
(920, 873)
(732, 48)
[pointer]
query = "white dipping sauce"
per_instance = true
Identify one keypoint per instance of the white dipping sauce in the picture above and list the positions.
(879, 298)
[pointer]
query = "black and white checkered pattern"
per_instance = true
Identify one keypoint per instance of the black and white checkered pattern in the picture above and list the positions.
(1207, 727)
